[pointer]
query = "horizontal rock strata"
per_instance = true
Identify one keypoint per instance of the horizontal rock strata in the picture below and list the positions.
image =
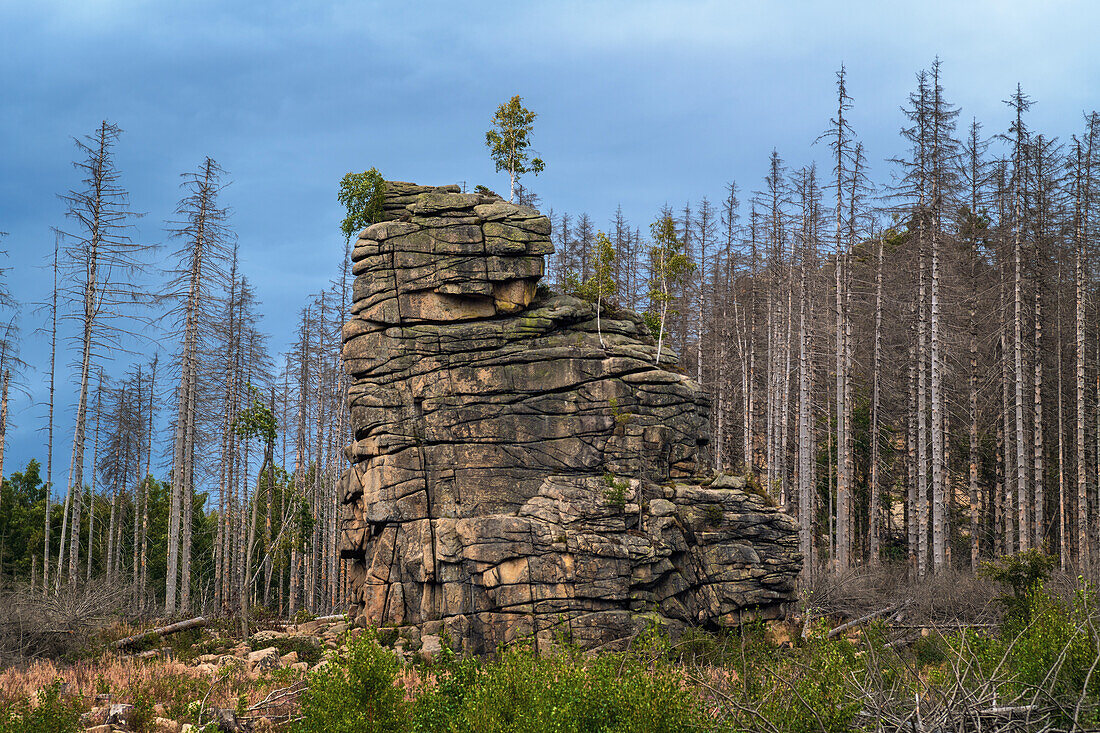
(512, 474)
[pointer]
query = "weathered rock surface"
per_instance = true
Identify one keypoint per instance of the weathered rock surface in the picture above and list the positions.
(512, 474)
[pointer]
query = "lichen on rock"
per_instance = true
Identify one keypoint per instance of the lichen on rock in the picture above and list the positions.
(512, 476)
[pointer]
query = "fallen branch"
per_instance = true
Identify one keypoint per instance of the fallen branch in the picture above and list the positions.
(191, 623)
(903, 641)
(862, 619)
(1008, 710)
(279, 696)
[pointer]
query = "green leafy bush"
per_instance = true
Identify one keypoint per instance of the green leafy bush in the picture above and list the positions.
(615, 493)
(806, 689)
(1023, 573)
(53, 713)
(1055, 648)
(355, 692)
(142, 714)
(524, 692)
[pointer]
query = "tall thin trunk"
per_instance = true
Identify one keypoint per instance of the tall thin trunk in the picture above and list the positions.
(973, 404)
(938, 492)
(876, 499)
(1019, 172)
(49, 426)
(922, 418)
(1006, 420)
(1061, 431)
(1037, 516)
(911, 462)
(91, 491)
(843, 488)
(1023, 534)
(146, 483)
(750, 392)
(6, 383)
(1080, 230)
(805, 457)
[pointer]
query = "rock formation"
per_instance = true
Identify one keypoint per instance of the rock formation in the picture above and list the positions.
(512, 476)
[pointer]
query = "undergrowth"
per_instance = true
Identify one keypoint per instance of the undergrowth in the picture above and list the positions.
(1043, 661)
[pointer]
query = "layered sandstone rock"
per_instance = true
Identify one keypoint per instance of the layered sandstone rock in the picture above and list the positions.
(514, 476)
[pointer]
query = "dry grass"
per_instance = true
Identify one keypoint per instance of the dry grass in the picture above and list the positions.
(172, 684)
(34, 625)
(950, 597)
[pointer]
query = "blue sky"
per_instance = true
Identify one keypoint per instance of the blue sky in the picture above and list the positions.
(639, 104)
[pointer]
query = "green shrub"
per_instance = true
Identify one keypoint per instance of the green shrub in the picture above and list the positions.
(523, 692)
(355, 692)
(615, 494)
(440, 706)
(1055, 648)
(1024, 573)
(142, 715)
(930, 651)
(808, 688)
(53, 713)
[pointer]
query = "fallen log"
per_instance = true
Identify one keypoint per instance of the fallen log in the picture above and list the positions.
(191, 623)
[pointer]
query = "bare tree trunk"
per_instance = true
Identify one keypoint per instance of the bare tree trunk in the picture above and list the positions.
(1037, 518)
(4, 418)
(876, 499)
(146, 485)
(973, 403)
(91, 492)
(1080, 239)
(911, 462)
(938, 493)
(49, 427)
(1061, 432)
(750, 412)
(922, 422)
(1006, 419)
(1018, 362)
(843, 487)
(76, 470)
(805, 457)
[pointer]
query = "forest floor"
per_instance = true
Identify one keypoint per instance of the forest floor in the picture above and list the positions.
(867, 649)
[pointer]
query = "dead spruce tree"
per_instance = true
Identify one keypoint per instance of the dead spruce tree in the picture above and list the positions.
(200, 260)
(101, 265)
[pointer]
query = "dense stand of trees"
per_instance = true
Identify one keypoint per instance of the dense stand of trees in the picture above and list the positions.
(245, 447)
(911, 367)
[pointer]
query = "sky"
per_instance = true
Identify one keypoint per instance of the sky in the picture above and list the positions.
(639, 104)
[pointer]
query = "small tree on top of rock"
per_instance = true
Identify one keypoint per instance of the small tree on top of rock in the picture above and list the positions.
(602, 281)
(362, 195)
(508, 143)
(669, 267)
(601, 288)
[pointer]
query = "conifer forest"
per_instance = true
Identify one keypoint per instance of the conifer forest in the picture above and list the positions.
(906, 365)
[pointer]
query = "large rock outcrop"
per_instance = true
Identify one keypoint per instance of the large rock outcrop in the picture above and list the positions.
(514, 472)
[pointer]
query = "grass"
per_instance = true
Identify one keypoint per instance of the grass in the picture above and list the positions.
(171, 684)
